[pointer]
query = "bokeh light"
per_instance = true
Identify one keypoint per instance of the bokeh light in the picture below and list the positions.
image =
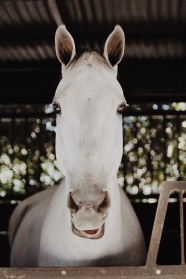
(154, 149)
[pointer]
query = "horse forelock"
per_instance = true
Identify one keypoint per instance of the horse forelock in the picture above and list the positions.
(89, 59)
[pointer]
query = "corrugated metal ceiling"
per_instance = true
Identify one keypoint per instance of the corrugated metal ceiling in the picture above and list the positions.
(155, 56)
(153, 28)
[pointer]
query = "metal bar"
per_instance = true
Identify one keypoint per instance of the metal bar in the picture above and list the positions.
(26, 157)
(124, 161)
(165, 146)
(160, 272)
(158, 226)
(127, 113)
(182, 228)
(149, 160)
(178, 123)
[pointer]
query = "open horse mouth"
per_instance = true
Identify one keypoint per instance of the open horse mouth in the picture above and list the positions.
(91, 234)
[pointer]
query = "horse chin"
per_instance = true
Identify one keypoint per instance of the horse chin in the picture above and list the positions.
(90, 234)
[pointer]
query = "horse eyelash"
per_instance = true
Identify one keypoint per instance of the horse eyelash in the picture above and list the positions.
(56, 108)
(122, 108)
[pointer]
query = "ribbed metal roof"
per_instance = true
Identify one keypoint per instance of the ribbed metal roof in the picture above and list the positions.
(153, 28)
(155, 54)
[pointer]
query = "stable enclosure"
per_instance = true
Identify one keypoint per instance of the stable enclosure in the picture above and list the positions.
(152, 75)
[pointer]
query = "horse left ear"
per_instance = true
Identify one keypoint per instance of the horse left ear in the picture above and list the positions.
(114, 46)
(65, 46)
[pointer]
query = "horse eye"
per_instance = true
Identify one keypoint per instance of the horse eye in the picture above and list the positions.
(56, 108)
(122, 107)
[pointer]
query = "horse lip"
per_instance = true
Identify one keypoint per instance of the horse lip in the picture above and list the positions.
(90, 234)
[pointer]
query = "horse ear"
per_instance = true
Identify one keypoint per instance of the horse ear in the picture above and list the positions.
(114, 46)
(65, 46)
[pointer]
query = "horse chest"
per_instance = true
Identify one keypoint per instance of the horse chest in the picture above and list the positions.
(71, 250)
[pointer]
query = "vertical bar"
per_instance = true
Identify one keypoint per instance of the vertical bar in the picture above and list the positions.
(42, 141)
(158, 225)
(149, 160)
(182, 228)
(13, 143)
(178, 121)
(26, 157)
(165, 147)
(135, 164)
(124, 161)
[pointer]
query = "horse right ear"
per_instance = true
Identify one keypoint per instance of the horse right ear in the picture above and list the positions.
(114, 46)
(65, 46)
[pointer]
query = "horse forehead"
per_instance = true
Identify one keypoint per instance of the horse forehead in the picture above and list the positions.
(89, 84)
(93, 66)
(91, 60)
(90, 67)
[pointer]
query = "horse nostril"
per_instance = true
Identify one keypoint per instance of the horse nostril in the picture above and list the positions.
(105, 204)
(71, 204)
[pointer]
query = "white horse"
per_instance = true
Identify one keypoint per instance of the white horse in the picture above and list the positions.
(87, 220)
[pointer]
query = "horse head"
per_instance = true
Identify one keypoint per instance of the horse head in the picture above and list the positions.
(88, 102)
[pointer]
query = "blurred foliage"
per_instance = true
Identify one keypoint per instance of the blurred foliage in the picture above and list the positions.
(154, 148)
(27, 158)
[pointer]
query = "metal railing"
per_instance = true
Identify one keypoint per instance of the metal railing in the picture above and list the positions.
(154, 151)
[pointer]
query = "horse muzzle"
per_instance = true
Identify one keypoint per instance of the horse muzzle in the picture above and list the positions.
(88, 218)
